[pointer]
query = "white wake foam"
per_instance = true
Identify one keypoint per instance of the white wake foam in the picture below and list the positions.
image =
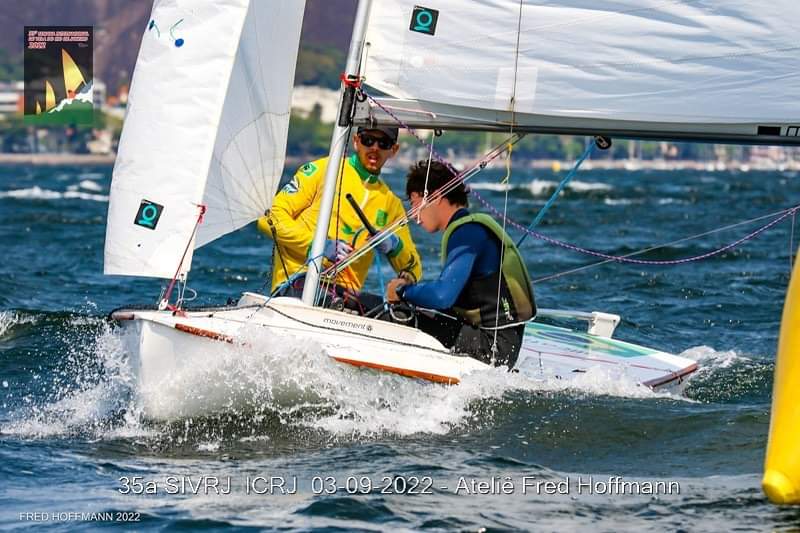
(287, 376)
(83, 399)
(9, 319)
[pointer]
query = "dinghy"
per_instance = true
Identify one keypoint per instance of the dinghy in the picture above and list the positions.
(202, 149)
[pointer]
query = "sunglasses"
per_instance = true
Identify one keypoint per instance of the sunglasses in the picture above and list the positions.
(384, 143)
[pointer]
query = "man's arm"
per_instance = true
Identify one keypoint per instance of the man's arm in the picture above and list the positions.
(297, 196)
(443, 292)
(405, 258)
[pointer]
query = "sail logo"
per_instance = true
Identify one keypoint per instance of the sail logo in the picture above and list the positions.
(423, 20)
(148, 214)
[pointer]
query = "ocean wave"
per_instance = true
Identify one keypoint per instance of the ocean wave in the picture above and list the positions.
(88, 185)
(539, 187)
(91, 390)
(618, 201)
(725, 376)
(37, 193)
(9, 319)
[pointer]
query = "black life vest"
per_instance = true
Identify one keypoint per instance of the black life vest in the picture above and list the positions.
(477, 304)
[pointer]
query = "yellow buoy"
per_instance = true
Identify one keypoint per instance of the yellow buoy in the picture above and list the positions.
(781, 480)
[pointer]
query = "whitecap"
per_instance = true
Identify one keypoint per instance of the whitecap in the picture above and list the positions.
(37, 193)
(617, 201)
(90, 185)
(491, 186)
(9, 319)
(586, 186)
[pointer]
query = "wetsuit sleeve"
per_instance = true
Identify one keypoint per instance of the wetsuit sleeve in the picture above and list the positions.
(442, 293)
(405, 257)
(295, 197)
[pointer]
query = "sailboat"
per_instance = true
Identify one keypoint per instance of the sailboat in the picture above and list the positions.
(202, 151)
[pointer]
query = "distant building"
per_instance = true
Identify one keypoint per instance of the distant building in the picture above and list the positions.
(98, 94)
(12, 101)
(305, 97)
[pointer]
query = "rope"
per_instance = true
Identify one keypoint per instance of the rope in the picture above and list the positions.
(165, 300)
(454, 182)
(506, 179)
(586, 153)
(607, 257)
(379, 266)
(428, 172)
(791, 246)
(625, 258)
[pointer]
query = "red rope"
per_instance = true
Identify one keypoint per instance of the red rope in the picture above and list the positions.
(171, 286)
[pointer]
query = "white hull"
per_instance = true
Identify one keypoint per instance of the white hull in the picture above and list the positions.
(171, 354)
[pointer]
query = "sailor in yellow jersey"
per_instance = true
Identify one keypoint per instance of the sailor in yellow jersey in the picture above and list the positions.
(293, 217)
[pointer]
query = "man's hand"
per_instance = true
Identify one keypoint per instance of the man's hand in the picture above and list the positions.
(391, 289)
(389, 244)
(336, 250)
(408, 276)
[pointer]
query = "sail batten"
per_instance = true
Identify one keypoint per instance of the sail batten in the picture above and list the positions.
(207, 124)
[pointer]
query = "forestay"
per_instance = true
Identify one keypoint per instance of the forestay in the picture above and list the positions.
(575, 62)
(207, 121)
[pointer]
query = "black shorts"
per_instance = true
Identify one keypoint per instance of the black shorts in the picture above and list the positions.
(475, 342)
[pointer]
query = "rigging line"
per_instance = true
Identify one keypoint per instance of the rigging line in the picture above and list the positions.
(165, 300)
(436, 195)
(427, 173)
(340, 179)
(656, 247)
(586, 153)
(457, 178)
(506, 182)
(791, 245)
(623, 259)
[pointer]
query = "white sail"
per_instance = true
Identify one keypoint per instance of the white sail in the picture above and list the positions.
(207, 120)
(680, 63)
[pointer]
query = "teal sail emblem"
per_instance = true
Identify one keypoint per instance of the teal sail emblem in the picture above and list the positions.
(423, 20)
(148, 214)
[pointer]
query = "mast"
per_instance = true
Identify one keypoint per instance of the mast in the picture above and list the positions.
(339, 141)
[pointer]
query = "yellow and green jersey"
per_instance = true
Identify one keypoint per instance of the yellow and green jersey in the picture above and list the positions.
(295, 211)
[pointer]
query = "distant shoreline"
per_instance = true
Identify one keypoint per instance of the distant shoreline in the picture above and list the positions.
(56, 159)
(294, 161)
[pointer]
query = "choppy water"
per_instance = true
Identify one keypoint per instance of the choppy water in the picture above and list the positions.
(70, 431)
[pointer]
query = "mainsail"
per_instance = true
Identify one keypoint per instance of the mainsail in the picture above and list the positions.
(207, 121)
(712, 69)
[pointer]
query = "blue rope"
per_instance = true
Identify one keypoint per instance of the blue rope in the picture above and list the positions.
(567, 178)
(379, 266)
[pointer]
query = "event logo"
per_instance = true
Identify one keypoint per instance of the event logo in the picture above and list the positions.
(58, 75)
(148, 214)
(423, 20)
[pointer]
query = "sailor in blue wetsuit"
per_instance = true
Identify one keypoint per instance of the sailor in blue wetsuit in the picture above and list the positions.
(480, 264)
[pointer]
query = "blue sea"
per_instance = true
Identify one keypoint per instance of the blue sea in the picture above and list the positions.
(371, 452)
